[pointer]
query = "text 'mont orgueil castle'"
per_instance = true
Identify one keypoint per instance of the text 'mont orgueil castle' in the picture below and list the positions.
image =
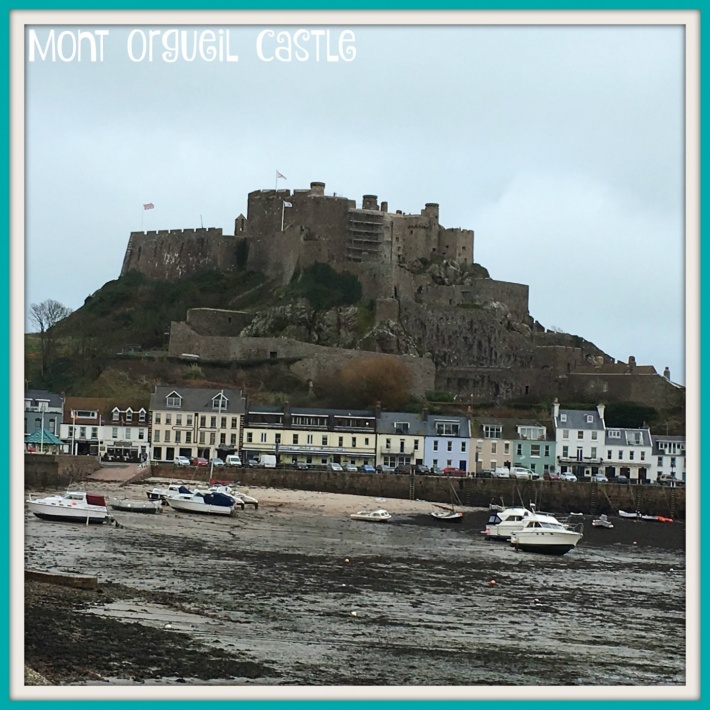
(476, 331)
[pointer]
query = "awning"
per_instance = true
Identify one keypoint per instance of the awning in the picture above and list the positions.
(42, 436)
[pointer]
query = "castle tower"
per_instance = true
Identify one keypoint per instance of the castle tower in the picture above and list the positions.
(369, 202)
(240, 225)
(317, 189)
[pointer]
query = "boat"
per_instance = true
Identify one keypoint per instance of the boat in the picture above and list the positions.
(636, 515)
(448, 513)
(542, 532)
(129, 505)
(503, 523)
(162, 494)
(602, 522)
(71, 506)
(242, 499)
(208, 503)
(375, 516)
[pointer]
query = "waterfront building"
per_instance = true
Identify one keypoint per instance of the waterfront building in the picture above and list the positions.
(493, 447)
(310, 436)
(579, 440)
(533, 448)
(447, 442)
(195, 422)
(400, 439)
(669, 456)
(44, 411)
(628, 452)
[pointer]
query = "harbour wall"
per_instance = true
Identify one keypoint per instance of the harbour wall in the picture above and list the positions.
(55, 471)
(554, 496)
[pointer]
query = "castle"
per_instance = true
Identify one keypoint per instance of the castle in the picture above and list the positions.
(477, 331)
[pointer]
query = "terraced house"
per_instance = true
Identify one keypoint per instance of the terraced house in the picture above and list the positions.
(302, 435)
(580, 440)
(628, 452)
(195, 422)
(447, 442)
(400, 439)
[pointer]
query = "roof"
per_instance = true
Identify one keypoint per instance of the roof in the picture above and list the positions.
(577, 419)
(629, 437)
(42, 436)
(54, 400)
(463, 422)
(387, 420)
(198, 399)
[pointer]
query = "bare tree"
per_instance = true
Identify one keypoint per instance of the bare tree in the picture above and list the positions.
(45, 316)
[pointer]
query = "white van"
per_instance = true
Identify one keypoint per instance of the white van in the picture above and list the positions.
(233, 460)
(268, 461)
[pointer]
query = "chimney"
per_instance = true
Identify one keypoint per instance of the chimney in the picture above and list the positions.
(378, 409)
(384, 206)
(318, 189)
(369, 202)
(600, 410)
(667, 373)
(556, 409)
(425, 413)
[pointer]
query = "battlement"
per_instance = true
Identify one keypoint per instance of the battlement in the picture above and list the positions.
(199, 232)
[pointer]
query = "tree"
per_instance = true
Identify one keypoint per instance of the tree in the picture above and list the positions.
(45, 316)
(383, 378)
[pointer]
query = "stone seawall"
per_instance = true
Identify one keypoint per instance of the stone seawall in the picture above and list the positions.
(555, 496)
(44, 472)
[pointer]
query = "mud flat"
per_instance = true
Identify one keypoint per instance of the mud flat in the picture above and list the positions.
(296, 593)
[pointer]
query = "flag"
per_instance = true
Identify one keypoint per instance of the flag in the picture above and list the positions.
(148, 206)
(287, 204)
(279, 175)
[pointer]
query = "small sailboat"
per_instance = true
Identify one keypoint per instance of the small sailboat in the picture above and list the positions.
(448, 513)
(602, 522)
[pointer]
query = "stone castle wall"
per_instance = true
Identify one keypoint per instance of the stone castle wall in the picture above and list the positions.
(314, 360)
(179, 253)
(215, 321)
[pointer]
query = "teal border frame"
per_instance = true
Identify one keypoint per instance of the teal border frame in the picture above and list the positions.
(498, 5)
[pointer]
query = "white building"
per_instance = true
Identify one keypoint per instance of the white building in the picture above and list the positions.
(579, 440)
(628, 452)
(669, 456)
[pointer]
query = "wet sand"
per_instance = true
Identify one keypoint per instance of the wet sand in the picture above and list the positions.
(296, 593)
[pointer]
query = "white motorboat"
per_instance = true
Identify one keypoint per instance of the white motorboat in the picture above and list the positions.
(173, 490)
(602, 522)
(374, 516)
(503, 523)
(209, 503)
(542, 532)
(72, 506)
(130, 505)
(242, 498)
(448, 515)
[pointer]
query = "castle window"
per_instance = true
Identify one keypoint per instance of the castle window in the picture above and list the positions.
(272, 354)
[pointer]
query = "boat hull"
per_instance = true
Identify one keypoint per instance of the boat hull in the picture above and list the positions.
(67, 514)
(546, 549)
(448, 517)
(188, 506)
(136, 506)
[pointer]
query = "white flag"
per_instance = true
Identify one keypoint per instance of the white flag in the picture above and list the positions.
(279, 175)
(287, 204)
(148, 206)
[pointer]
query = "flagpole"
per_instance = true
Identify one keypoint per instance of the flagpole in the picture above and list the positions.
(283, 210)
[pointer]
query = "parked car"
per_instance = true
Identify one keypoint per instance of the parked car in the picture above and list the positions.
(385, 469)
(436, 471)
(404, 470)
(485, 473)
(366, 468)
(567, 476)
(181, 461)
(302, 466)
(453, 471)
(619, 479)
(350, 467)
(216, 462)
(233, 460)
(253, 462)
(522, 474)
(551, 476)
(599, 478)
(422, 470)
(334, 467)
(501, 472)
(666, 480)
(199, 461)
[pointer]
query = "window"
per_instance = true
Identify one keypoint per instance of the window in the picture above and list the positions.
(188, 420)
(590, 418)
(114, 432)
(129, 415)
(94, 432)
(614, 434)
(127, 434)
(156, 418)
(156, 436)
(295, 438)
(660, 462)
(277, 438)
(232, 439)
(223, 422)
(535, 450)
(234, 423)
(141, 435)
(643, 456)
(202, 437)
(565, 451)
(82, 432)
(262, 437)
(213, 422)
(506, 447)
(324, 441)
(173, 401)
(367, 441)
(594, 452)
(533, 433)
(166, 438)
(340, 441)
(631, 455)
(563, 417)
(353, 442)
(494, 448)
(565, 433)
(436, 445)
(203, 421)
(492, 431)
(547, 449)
(518, 449)
(463, 447)
(212, 438)
(168, 419)
(435, 462)
(580, 434)
(178, 437)
(141, 416)
(447, 428)
(220, 402)
(621, 454)
(178, 420)
(594, 435)
(222, 438)
(250, 437)
(309, 438)
(449, 445)
(401, 427)
(416, 444)
(188, 437)
(115, 414)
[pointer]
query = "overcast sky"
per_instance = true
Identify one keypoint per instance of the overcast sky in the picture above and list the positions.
(561, 147)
